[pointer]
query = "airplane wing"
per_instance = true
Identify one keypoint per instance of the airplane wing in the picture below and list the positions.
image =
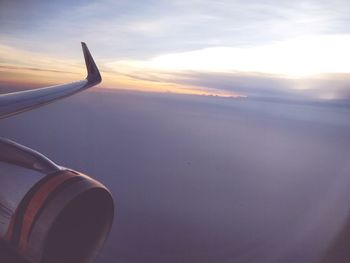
(17, 102)
(41, 201)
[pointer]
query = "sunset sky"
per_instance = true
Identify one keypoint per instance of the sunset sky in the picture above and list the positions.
(221, 127)
(284, 49)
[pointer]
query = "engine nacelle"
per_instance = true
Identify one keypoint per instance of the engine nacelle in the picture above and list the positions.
(61, 216)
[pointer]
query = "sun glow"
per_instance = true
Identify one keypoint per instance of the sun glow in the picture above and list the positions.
(300, 57)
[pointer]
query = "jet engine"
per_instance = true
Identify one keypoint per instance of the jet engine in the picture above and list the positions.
(49, 213)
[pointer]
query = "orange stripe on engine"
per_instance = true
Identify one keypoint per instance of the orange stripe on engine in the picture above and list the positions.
(9, 232)
(36, 203)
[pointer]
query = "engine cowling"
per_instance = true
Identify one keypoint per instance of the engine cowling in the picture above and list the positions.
(60, 216)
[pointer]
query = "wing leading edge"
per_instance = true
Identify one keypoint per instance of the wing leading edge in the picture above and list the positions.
(17, 102)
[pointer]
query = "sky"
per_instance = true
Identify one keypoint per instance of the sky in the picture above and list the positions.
(275, 49)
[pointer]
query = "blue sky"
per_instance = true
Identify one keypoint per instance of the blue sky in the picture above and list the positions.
(295, 45)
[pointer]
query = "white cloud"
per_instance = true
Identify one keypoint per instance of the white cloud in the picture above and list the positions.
(298, 57)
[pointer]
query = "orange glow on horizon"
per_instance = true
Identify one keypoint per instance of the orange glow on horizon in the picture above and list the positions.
(25, 78)
(23, 69)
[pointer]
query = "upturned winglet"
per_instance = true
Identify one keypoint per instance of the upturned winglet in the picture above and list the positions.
(93, 74)
(17, 102)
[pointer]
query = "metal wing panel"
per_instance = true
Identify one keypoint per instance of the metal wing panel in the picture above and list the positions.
(17, 102)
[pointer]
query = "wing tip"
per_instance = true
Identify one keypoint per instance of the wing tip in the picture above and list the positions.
(93, 74)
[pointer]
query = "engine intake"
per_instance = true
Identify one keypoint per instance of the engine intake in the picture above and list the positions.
(63, 216)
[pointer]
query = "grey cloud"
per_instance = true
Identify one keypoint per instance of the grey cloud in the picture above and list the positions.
(257, 85)
(33, 69)
(330, 87)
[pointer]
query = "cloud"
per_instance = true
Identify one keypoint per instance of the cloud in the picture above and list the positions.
(139, 29)
(316, 88)
(10, 68)
(11, 56)
(294, 58)
(302, 68)
(254, 85)
(28, 68)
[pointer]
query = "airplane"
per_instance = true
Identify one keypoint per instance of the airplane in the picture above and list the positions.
(50, 213)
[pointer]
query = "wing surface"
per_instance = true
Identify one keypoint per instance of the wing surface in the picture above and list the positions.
(17, 102)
